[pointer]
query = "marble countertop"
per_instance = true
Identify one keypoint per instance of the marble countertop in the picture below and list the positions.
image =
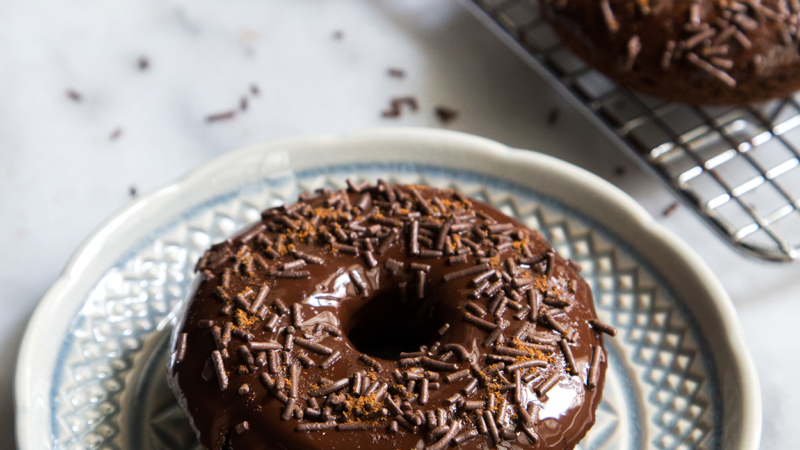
(102, 101)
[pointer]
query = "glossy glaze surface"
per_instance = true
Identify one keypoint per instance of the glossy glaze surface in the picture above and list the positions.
(329, 296)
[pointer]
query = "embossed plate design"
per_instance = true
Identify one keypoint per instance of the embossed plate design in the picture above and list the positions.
(92, 368)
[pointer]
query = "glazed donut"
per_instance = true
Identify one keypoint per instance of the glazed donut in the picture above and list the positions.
(698, 52)
(388, 316)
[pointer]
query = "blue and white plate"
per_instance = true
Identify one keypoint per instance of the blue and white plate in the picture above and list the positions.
(91, 371)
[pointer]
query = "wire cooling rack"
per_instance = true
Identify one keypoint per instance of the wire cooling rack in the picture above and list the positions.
(737, 167)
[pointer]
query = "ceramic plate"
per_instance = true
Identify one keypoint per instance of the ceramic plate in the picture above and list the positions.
(91, 371)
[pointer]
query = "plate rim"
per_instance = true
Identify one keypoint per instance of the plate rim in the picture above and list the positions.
(270, 158)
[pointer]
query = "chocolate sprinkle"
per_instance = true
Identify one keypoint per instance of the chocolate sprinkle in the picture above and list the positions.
(414, 238)
(602, 327)
(259, 300)
(466, 272)
(369, 258)
(438, 365)
(242, 427)
(524, 365)
(457, 375)
(491, 426)
(306, 427)
(708, 67)
(466, 436)
(360, 285)
(355, 426)
(313, 346)
(459, 259)
(478, 322)
(387, 242)
(280, 307)
(297, 315)
(290, 274)
(419, 276)
(543, 387)
(417, 266)
(288, 410)
(331, 360)
(594, 370)
(553, 323)
(370, 362)
(475, 308)
(219, 367)
(293, 265)
(608, 16)
(181, 348)
(310, 259)
(455, 427)
(568, 358)
(272, 323)
(462, 352)
(332, 387)
(423, 392)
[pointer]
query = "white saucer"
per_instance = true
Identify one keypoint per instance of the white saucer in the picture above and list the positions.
(91, 370)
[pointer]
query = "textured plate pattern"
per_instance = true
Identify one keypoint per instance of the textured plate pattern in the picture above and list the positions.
(110, 389)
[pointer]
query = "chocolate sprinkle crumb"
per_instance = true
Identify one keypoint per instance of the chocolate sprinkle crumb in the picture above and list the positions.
(553, 116)
(395, 72)
(74, 95)
(670, 209)
(221, 116)
(445, 114)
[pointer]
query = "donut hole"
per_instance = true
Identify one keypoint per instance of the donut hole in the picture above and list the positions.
(386, 327)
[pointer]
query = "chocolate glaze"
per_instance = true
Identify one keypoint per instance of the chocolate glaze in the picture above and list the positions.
(331, 299)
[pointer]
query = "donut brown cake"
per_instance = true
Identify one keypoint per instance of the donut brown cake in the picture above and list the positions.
(388, 317)
(699, 52)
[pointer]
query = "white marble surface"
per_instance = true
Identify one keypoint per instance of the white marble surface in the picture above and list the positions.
(61, 174)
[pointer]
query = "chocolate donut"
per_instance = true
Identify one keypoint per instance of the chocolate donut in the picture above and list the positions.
(386, 317)
(699, 52)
